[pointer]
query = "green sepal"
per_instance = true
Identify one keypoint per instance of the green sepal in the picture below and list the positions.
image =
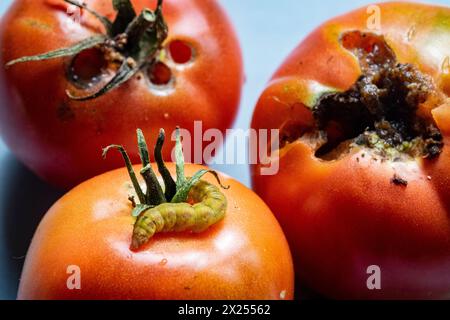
(64, 52)
(143, 148)
(125, 14)
(179, 158)
(130, 169)
(169, 183)
(154, 195)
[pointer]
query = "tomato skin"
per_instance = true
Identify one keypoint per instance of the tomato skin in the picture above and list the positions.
(245, 256)
(60, 139)
(340, 217)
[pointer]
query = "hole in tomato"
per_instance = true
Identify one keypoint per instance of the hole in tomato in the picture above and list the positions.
(87, 67)
(380, 111)
(160, 74)
(180, 52)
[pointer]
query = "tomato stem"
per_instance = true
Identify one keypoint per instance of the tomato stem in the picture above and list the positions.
(138, 26)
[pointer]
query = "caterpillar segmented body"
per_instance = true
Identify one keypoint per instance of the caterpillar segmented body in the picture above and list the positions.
(208, 207)
(185, 205)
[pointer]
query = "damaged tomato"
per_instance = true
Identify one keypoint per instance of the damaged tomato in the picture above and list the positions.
(79, 75)
(364, 159)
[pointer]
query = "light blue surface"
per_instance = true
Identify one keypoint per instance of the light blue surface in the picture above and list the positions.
(268, 31)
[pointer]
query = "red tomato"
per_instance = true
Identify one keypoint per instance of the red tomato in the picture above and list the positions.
(245, 256)
(364, 158)
(198, 77)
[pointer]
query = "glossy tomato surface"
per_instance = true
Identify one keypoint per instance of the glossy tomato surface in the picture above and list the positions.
(61, 139)
(245, 256)
(342, 216)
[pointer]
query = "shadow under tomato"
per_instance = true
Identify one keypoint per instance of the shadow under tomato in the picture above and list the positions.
(24, 199)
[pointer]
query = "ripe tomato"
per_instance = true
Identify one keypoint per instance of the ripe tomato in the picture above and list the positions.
(364, 157)
(245, 256)
(198, 77)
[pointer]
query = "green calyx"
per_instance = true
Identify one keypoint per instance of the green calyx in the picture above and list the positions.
(155, 195)
(135, 39)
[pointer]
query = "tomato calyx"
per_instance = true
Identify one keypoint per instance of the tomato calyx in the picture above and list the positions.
(187, 204)
(380, 111)
(132, 42)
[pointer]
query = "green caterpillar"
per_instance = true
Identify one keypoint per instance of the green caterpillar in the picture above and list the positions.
(209, 208)
(189, 204)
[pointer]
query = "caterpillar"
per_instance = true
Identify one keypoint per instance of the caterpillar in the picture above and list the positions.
(189, 204)
(208, 208)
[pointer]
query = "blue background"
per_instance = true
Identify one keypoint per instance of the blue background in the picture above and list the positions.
(268, 31)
